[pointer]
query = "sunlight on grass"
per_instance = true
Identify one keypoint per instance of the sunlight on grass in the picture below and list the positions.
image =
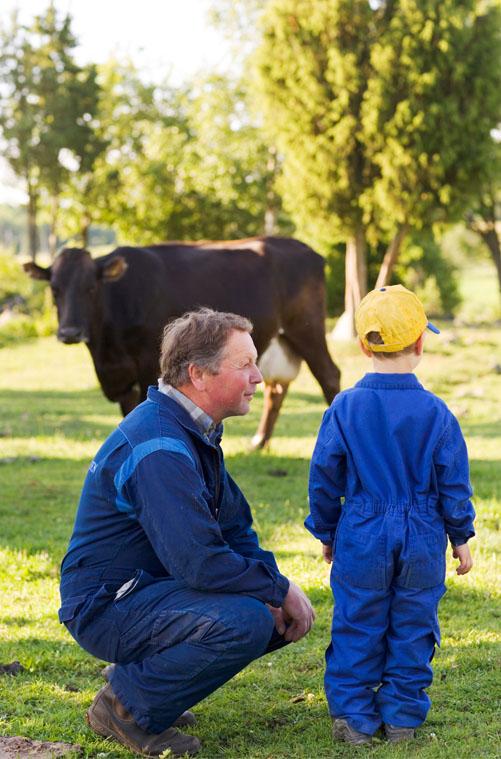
(53, 418)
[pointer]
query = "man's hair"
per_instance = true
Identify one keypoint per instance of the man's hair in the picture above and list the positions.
(197, 337)
(374, 338)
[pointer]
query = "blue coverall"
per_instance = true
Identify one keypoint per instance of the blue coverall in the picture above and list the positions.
(396, 454)
(164, 573)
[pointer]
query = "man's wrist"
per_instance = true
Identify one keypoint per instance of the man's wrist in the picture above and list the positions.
(281, 589)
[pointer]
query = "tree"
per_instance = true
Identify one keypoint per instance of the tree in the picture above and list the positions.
(313, 66)
(19, 120)
(229, 162)
(47, 107)
(432, 100)
(181, 164)
(484, 216)
(382, 112)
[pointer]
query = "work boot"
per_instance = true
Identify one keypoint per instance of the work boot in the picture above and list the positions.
(186, 719)
(342, 731)
(398, 734)
(107, 717)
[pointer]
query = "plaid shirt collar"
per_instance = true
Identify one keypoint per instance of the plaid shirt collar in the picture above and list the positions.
(204, 422)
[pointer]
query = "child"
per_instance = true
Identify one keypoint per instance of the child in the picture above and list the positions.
(396, 454)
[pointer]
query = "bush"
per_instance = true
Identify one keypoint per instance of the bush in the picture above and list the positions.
(422, 268)
(25, 304)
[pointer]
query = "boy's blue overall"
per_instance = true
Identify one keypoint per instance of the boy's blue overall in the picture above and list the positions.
(396, 454)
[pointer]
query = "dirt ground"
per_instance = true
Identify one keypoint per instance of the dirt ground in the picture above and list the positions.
(15, 746)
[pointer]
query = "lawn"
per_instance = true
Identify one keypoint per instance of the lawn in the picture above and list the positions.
(53, 418)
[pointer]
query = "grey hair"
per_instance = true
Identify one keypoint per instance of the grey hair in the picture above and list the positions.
(197, 337)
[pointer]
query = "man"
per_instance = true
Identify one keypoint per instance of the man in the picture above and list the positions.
(164, 574)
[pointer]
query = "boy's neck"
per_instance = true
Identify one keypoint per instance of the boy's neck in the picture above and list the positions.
(404, 364)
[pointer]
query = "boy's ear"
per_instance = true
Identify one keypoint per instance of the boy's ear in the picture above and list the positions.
(364, 350)
(420, 344)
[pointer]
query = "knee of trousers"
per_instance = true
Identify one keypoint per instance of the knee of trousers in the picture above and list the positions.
(248, 626)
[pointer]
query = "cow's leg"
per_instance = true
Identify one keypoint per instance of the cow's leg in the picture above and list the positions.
(274, 394)
(310, 343)
(129, 400)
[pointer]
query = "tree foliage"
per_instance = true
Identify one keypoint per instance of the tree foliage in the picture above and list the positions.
(382, 112)
(47, 105)
(181, 163)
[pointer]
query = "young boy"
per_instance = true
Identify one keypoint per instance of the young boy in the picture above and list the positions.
(396, 454)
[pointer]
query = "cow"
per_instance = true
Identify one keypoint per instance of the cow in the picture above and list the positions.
(118, 305)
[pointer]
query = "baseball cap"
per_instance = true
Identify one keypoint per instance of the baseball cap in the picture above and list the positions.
(396, 313)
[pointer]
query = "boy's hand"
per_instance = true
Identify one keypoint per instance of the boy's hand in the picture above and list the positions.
(327, 553)
(465, 561)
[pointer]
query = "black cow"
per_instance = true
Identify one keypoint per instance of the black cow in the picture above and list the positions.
(119, 304)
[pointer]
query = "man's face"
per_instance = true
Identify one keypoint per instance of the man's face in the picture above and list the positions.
(230, 391)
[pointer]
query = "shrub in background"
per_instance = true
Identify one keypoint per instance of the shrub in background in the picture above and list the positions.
(26, 308)
(422, 267)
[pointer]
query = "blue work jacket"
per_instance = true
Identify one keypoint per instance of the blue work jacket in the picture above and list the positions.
(385, 445)
(157, 497)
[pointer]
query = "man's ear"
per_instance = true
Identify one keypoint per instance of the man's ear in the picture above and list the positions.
(197, 377)
(112, 270)
(37, 272)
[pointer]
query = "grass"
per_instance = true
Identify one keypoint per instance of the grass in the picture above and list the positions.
(53, 418)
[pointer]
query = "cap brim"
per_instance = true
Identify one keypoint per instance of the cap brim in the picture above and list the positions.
(433, 328)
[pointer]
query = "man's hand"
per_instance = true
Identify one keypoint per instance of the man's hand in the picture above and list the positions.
(278, 616)
(298, 614)
(465, 561)
(327, 552)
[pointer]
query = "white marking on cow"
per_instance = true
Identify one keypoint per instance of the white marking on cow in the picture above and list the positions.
(279, 363)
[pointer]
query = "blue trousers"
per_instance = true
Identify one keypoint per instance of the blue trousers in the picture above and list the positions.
(387, 580)
(173, 645)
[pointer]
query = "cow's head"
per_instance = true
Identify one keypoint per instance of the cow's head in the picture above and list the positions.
(76, 282)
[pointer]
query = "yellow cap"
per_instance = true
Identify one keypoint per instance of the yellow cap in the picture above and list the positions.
(396, 313)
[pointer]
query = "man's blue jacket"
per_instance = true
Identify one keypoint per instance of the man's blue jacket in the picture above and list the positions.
(157, 497)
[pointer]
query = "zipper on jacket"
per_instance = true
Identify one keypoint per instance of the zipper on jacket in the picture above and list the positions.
(218, 483)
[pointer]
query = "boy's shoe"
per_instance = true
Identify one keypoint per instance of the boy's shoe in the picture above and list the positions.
(186, 719)
(107, 717)
(342, 731)
(398, 734)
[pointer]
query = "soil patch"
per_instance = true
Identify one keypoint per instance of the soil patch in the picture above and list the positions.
(15, 746)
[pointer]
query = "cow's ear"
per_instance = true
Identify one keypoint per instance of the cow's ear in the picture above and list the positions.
(114, 269)
(37, 272)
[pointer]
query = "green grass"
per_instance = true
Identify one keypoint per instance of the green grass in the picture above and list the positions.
(53, 418)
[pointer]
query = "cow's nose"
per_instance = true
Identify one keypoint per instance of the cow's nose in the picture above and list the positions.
(70, 335)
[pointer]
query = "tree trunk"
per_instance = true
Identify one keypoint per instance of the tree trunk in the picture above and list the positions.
(485, 224)
(270, 214)
(32, 221)
(84, 230)
(391, 257)
(53, 226)
(491, 239)
(270, 221)
(355, 285)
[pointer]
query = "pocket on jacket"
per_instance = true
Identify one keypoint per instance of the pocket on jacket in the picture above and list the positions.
(359, 558)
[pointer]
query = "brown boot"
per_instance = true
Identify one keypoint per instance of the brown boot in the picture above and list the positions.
(107, 717)
(186, 719)
(399, 734)
(342, 731)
